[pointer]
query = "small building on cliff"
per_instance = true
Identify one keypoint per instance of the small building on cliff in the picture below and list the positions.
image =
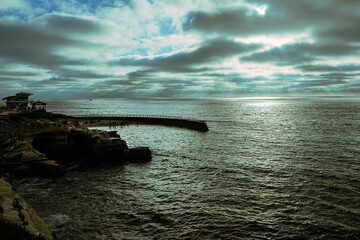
(21, 100)
(38, 105)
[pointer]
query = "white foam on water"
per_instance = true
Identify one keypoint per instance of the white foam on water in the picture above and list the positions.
(56, 220)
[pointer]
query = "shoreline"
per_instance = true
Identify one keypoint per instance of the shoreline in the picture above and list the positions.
(39, 144)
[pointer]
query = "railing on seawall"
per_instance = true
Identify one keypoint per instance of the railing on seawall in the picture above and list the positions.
(133, 116)
(127, 119)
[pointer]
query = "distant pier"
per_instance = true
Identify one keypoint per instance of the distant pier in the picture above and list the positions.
(124, 120)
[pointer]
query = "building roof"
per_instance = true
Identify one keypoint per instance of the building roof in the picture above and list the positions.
(7, 97)
(23, 93)
(18, 94)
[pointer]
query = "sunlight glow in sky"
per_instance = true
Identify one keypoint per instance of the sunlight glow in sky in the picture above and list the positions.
(261, 10)
(181, 49)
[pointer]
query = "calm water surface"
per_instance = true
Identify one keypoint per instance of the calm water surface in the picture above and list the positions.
(267, 169)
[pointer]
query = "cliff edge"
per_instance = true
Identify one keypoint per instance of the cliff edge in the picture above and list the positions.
(37, 144)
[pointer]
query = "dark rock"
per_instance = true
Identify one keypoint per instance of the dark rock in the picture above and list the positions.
(27, 145)
(42, 169)
(114, 134)
(137, 155)
(80, 145)
(47, 169)
(54, 144)
(23, 171)
(17, 205)
(110, 150)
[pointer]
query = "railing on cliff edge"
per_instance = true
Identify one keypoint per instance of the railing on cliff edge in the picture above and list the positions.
(148, 119)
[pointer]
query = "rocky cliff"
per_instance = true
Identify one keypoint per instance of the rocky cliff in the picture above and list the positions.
(38, 143)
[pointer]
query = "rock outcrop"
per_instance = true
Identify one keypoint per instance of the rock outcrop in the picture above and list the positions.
(18, 220)
(37, 144)
(137, 155)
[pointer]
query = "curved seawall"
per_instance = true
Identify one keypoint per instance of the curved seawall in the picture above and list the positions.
(117, 120)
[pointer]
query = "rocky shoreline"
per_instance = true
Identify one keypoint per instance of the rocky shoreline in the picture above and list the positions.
(40, 144)
(18, 220)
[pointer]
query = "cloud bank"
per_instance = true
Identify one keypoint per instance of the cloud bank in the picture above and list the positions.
(182, 49)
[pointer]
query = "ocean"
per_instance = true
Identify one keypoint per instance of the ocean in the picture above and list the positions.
(269, 168)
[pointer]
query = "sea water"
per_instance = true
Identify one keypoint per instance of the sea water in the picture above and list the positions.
(275, 168)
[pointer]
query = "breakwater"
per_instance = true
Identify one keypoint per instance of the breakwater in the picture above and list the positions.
(123, 120)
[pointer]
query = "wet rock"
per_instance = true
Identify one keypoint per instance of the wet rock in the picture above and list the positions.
(42, 169)
(47, 169)
(22, 171)
(137, 155)
(114, 134)
(110, 150)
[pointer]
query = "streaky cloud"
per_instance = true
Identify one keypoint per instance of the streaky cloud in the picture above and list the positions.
(29, 44)
(69, 24)
(210, 51)
(329, 68)
(300, 52)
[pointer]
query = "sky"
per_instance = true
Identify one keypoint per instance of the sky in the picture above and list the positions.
(179, 49)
